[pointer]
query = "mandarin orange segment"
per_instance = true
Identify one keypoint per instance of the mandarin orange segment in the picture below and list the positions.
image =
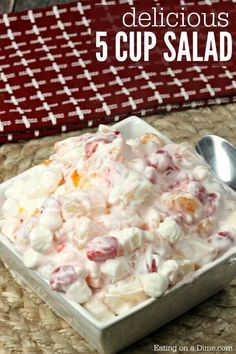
(144, 227)
(95, 283)
(36, 212)
(187, 204)
(46, 162)
(147, 137)
(75, 178)
(62, 181)
(205, 227)
(107, 210)
(183, 202)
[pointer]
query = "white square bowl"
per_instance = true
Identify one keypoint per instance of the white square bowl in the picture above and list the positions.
(144, 318)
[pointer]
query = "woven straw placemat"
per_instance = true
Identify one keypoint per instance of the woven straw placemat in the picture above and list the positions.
(29, 326)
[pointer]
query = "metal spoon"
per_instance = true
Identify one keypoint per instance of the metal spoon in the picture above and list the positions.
(221, 156)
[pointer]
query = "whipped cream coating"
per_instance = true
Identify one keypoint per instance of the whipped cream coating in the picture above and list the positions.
(111, 221)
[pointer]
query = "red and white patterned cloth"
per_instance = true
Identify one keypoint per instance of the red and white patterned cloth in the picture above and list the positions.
(50, 85)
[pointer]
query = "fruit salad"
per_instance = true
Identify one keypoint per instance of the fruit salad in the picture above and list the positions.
(110, 221)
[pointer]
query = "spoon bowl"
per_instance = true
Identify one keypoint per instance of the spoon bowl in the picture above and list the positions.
(221, 156)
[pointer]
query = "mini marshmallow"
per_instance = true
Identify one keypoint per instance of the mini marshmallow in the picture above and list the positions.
(175, 270)
(151, 147)
(222, 244)
(130, 238)
(99, 310)
(154, 284)
(141, 189)
(94, 271)
(81, 271)
(76, 204)
(161, 160)
(43, 180)
(70, 156)
(134, 188)
(23, 232)
(150, 236)
(116, 304)
(116, 268)
(41, 239)
(128, 289)
(144, 262)
(51, 220)
(170, 230)
(32, 259)
(152, 218)
(200, 173)
(61, 190)
(79, 291)
(51, 204)
(93, 268)
(151, 174)
(67, 255)
(138, 165)
(196, 249)
(84, 230)
(170, 270)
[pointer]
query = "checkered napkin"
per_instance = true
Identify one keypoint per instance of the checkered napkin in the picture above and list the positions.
(49, 84)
